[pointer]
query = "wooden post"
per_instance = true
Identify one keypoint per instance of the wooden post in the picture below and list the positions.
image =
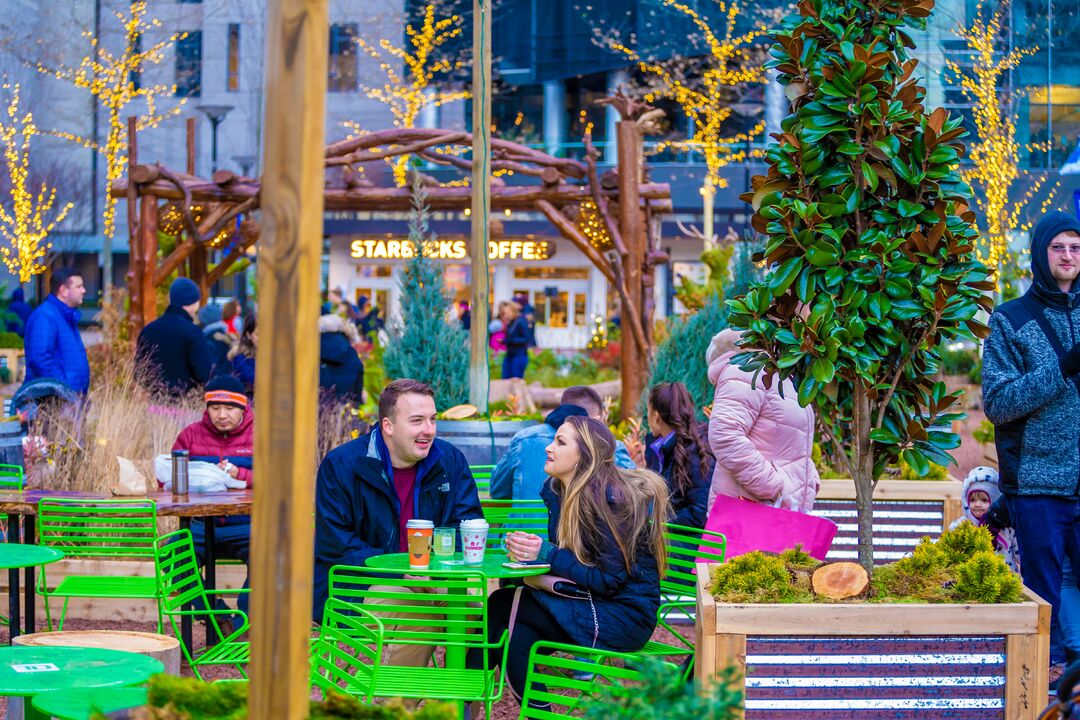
(287, 378)
(190, 127)
(135, 263)
(481, 204)
(632, 229)
(148, 226)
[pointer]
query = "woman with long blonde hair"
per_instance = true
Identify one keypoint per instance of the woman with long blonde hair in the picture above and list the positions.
(605, 549)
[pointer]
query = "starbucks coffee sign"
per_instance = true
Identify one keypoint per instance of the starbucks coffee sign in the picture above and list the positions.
(527, 250)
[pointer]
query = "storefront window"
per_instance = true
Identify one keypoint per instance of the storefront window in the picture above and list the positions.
(579, 310)
(539, 272)
(381, 298)
(552, 310)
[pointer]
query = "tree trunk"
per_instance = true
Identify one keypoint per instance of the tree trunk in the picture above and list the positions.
(862, 473)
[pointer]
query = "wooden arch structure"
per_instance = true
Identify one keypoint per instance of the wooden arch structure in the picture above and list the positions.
(620, 238)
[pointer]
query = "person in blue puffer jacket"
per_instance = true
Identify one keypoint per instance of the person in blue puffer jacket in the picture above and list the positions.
(54, 348)
(605, 529)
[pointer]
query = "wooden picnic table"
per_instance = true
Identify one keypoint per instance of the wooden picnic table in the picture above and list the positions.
(208, 506)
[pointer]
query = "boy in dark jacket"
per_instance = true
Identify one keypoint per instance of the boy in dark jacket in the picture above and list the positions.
(173, 346)
(369, 488)
(226, 437)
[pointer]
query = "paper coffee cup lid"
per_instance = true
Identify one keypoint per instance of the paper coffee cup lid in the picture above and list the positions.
(419, 524)
(474, 523)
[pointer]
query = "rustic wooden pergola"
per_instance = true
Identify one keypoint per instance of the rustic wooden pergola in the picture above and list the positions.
(626, 255)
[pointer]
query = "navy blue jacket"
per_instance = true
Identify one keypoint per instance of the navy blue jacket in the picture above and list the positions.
(690, 508)
(517, 336)
(341, 374)
(626, 603)
(176, 350)
(357, 510)
(54, 348)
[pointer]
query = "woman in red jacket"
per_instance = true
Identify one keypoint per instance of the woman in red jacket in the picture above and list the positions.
(225, 436)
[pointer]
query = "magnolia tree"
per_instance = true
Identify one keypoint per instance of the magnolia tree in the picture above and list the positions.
(868, 226)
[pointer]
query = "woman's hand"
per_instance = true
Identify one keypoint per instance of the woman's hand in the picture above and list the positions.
(523, 546)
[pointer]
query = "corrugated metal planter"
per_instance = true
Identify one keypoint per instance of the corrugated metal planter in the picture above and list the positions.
(868, 661)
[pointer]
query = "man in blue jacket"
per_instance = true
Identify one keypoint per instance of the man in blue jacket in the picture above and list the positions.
(520, 472)
(369, 488)
(54, 348)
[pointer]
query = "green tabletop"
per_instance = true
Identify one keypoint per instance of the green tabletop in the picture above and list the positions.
(17, 555)
(491, 568)
(28, 671)
(78, 705)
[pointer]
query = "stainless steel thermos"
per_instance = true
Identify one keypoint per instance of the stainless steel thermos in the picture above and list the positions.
(180, 460)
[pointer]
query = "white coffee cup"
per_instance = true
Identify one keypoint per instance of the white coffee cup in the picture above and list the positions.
(473, 540)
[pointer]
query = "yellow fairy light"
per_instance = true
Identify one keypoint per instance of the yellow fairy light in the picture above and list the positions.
(707, 100)
(995, 153)
(25, 226)
(592, 226)
(109, 77)
(408, 93)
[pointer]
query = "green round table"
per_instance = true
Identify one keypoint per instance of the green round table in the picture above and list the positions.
(26, 671)
(78, 705)
(492, 567)
(17, 555)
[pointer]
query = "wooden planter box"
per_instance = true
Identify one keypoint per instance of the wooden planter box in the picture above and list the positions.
(864, 661)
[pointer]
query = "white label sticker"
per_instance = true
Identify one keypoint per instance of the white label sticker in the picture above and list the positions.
(35, 667)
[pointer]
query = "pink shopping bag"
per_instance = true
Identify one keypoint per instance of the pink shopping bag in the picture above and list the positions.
(751, 526)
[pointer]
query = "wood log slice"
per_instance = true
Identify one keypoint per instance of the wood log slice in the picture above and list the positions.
(840, 580)
(161, 647)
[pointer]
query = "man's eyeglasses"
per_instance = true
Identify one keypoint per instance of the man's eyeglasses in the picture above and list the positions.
(1059, 249)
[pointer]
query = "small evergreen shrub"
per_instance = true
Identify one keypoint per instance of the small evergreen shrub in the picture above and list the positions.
(663, 696)
(755, 577)
(423, 344)
(681, 357)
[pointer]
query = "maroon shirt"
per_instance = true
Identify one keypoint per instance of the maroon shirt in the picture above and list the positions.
(404, 482)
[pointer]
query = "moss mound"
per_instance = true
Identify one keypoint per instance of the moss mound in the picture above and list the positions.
(959, 567)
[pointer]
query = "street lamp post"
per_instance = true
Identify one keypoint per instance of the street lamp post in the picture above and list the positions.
(215, 114)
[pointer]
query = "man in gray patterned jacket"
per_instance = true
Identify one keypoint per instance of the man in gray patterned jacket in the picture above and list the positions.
(1031, 364)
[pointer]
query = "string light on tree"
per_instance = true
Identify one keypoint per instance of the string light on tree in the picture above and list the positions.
(994, 171)
(25, 221)
(599, 339)
(408, 93)
(706, 97)
(112, 79)
(592, 225)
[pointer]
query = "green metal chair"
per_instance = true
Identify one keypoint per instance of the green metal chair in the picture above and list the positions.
(11, 478)
(505, 516)
(408, 615)
(482, 475)
(552, 684)
(686, 546)
(98, 528)
(180, 584)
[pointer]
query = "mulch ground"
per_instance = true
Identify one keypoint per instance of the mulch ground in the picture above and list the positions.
(505, 709)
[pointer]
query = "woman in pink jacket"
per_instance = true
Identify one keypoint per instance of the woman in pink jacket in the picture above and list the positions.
(762, 442)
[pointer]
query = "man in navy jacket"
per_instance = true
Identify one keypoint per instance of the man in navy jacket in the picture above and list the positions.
(54, 348)
(367, 489)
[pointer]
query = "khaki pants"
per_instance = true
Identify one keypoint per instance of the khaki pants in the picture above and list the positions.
(408, 655)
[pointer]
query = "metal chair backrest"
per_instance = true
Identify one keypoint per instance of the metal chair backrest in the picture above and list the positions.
(406, 604)
(551, 678)
(178, 574)
(482, 475)
(113, 528)
(687, 546)
(505, 516)
(11, 477)
(348, 646)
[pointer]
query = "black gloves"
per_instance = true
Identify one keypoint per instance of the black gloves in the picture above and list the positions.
(998, 515)
(1070, 361)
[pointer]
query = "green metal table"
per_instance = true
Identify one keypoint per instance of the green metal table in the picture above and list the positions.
(492, 567)
(14, 556)
(29, 671)
(78, 705)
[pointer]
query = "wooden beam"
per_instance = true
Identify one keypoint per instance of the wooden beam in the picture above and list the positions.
(226, 262)
(571, 232)
(287, 383)
(190, 127)
(480, 187)
(135, 261)
(394, 199)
